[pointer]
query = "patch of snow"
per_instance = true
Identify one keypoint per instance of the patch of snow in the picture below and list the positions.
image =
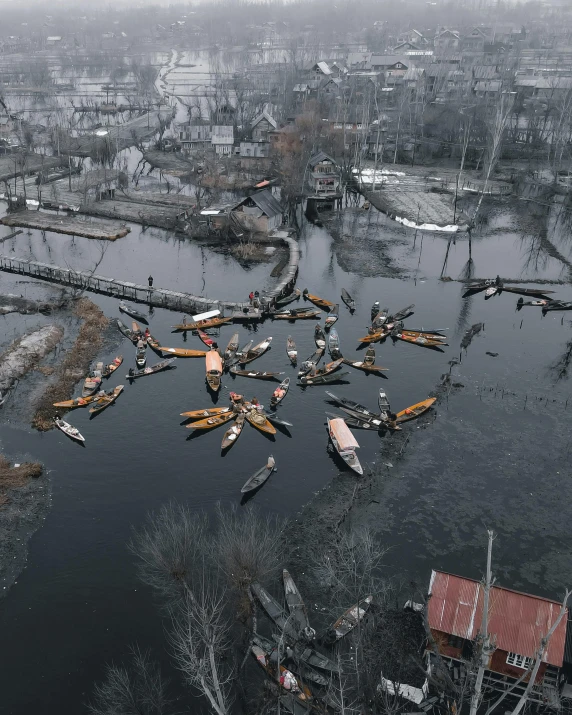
(451, 228)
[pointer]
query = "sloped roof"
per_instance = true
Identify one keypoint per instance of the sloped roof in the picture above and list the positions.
(268, 118)
(517, 621)
(324, 68)
(267, 203)
(389, 60)
(319, 157)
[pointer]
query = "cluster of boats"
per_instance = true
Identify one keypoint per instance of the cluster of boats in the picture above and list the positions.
(289, 657)
(542, 299)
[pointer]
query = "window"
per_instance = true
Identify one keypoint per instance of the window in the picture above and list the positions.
(520, 661)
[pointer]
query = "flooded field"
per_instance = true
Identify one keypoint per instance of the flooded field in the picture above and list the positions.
(494, 455)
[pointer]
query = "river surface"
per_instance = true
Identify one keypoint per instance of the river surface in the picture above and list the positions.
(498, 439)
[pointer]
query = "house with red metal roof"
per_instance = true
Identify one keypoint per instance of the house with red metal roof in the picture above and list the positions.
(517, 623)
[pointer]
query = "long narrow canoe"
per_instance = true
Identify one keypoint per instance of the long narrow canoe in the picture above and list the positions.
(104, 402)
(323, 379)
(403, 313)
(70, 431)
(183, 352)
(291, 350)
(328, 369)
(320, 302)
(205, 338)
(320, 337)
(366, 367)
(112, 367)
(124, 330)
(77, 402)
(256, 351)
(260, 421)
(133, 312)
(213, 363)
(208, 412)
(348, 300)
(295, 295)
(213, 421)
(423, 334)
(310, 315)
(332, 317)
(202, 324)
(410, 413)
(231, 350)
(349, 620)
(419, 340)
(280, 392)
(344, 443)
(260, 476)
(233, 432)
(296, 605)
(163, 365)
(351, 405)
(295, 689)
(256, 374)
(374, 337)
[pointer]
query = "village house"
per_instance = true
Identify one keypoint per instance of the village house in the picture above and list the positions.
(222, 139)
(260, 127)
(317, 69)
(517, 622)
(324, 176)
(6, 125)
(285, 140)
(260, 212)
(390, 65)
(301, 91)
(447, 40)
(474, 41)
(195, 136)
(255, 150)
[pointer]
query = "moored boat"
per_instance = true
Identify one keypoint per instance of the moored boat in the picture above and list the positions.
(112, 367)
(205, 338)
(210, 319)
(311, 362)
(300, 314)
(141, 355)
(106, 400)
(127, 332)
(77, 402)
(328, 369)
(213, 363)
(344, 402)
(374, 337)
(233, 432)
(380, 319)
(133, 312)
(332, 317)
(375, 309)
(403, 313)
(421, 334)
(348, 300)
(410, 413)
(260, 421)
(255, 374)
(71, 432)
(184, 352)
(344, 443)
(260, 476)
(280, 392)
(334, 345)
(557, 305)
(492, 290)
(320, 302)
(231, 350)
(153, 343)
(361, 421)
(92, 381)
(163, 365)
(208, 412)
(319, 337)
(419, 340)
(296, 606)
(367, 364)
(256, 351)
(383, 403)
(286, 300)
(243, 352)
(291, 350)
(212, 421)
(285, 678)
(350, 618)
(322, 379)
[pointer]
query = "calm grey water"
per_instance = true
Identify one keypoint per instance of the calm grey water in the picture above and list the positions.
(78, 604)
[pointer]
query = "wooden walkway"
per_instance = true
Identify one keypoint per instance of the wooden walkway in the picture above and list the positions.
(157, 297)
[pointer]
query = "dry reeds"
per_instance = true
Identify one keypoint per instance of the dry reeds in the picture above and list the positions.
(15, 477)
(75, 364)
(243, 250)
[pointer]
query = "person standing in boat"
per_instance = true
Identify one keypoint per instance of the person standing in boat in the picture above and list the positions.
(150, 280)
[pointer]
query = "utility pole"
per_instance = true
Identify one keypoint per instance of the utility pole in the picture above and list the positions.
(483, 639)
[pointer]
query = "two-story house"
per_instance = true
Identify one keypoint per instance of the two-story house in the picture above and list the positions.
(222, 139)
(261, 126)
(324, 176)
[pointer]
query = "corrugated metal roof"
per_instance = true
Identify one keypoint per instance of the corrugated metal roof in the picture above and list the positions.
(517, 621)
(267, 203)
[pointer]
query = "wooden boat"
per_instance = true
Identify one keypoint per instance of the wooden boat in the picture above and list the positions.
(320, 302)
(112, 367)
(375, 336)
(70, 431)
(280, 392)
(291, 350)
(478, 287)
(260, 476)
(286, 679)
(301, 314)
(490, 291)
(323, 379)
(350, 618)
(295, 295)
(214, 370)
(256, 351)
(202, 324)
(255, 374)
(184, 352)
(537, 303)
(343, 402)
(141, 356)
(383, 403)
(296, 606)
(557, 305)
(422, 334)
(319, 337)
(344, 443)
(380, 320)
(212, 421)
(233, 432)
(276, 420)
(260, 421)
(242, 353)
(334, 345)
(124, 330)
(367, 364)
(403, 313)
(106, 400)
(348, 300)
(374, 309)
(92, 381)
(231, 350)
(136, 329)
(332, 317)
(410, 413)
(307, 673)
(77, 402)
(133, 312)
(153, 343)
(208, 412)
(328, 369)
(206, 339)
(311, 362)
(163, 365)
(274, 610)
(372, 424)
(419, 340)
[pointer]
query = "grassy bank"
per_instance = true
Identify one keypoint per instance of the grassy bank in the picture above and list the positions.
(15, 477)
(76, 362)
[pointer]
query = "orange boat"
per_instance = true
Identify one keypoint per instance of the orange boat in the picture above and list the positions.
(212, 323)
(320, 302)
(183, 352)
(259, 420)
(211, 422)
(375, 337)
(214, 369)
(410, 413)
(208, 412)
